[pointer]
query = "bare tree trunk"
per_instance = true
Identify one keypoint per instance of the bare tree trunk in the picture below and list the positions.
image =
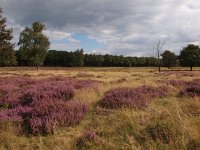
(191, 68)
(158, 51)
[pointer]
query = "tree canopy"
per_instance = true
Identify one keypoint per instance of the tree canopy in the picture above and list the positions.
(33, 45)
(7, 54)
(190, 56)
(169, 59)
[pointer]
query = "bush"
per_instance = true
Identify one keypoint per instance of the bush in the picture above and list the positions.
(49, 90)
(43, 105)
(191, 89)
(50, 115)
(132, 97)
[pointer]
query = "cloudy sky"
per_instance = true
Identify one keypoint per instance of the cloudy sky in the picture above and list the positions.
(127, 27)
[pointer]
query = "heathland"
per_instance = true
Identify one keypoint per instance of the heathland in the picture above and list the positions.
(99, 108)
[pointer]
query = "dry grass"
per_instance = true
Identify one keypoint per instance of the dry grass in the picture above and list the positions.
(167, 123)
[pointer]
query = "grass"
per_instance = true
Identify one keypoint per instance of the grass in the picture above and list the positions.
(171, 122)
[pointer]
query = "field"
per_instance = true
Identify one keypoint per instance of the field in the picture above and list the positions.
(107, 108)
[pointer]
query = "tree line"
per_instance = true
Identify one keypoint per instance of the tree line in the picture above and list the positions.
(34, 51)
(79, 59)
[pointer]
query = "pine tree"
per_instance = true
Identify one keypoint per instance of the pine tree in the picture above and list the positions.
(7, 53)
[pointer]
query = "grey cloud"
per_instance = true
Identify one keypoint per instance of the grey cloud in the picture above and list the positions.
(128, 27)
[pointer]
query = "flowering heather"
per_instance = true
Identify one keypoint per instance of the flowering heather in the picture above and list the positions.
(9, 95)
(132, 97)
(17, 81)
(177, 83)
(42, 105)
(191, 90)
(15, 114)
(181, 83)
(51, 114)
(83, 84)
(47, 91)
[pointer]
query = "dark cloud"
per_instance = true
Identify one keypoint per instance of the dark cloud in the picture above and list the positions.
(125, 27)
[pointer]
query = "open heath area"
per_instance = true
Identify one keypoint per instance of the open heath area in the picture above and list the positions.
(99, 108)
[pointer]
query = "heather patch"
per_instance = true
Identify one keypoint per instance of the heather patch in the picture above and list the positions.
(188, 88)
(176, 83)
(192, 91)
(132, 97)
(50, 90)
(51, 114)
(42, 105)
(9, 95)
(83, 84)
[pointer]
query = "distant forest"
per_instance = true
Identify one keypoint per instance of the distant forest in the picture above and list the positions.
(79, 59)
(56, 58)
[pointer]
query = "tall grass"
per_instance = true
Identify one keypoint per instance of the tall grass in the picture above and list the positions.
(169, 122)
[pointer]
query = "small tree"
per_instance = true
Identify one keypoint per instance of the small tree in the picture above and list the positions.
(7, 53)
(169, 59)
(158, 51)
(190, 56)
(33, 45)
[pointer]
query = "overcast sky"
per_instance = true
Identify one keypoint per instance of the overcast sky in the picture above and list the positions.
(127, 27)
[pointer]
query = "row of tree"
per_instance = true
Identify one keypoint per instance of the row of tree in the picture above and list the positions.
(79, 59)
(189, 57)
(34, 45)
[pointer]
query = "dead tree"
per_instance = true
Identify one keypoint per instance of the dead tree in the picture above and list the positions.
(157, 48)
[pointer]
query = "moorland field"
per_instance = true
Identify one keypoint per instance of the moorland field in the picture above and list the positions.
(99, 108)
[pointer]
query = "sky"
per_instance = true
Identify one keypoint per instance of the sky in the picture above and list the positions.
(119, 27)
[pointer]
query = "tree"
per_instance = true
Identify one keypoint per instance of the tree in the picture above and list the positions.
(79, 57)
(190, 56)
(158, 51)
(33, 45)
(7, 53)
(169, 59)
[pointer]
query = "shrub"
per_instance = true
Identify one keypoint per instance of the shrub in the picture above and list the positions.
(43, 105)
(47, 91)
(178, 83)
(50, 115)
(9, 95)
(193, 90)
(83, 84)
(132, 97)
(15, 114)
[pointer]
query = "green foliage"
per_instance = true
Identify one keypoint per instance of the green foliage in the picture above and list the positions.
(7, 54)
(64, 58)
(33, 45)
(169, 59)
(190, 56)
(79, 59)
